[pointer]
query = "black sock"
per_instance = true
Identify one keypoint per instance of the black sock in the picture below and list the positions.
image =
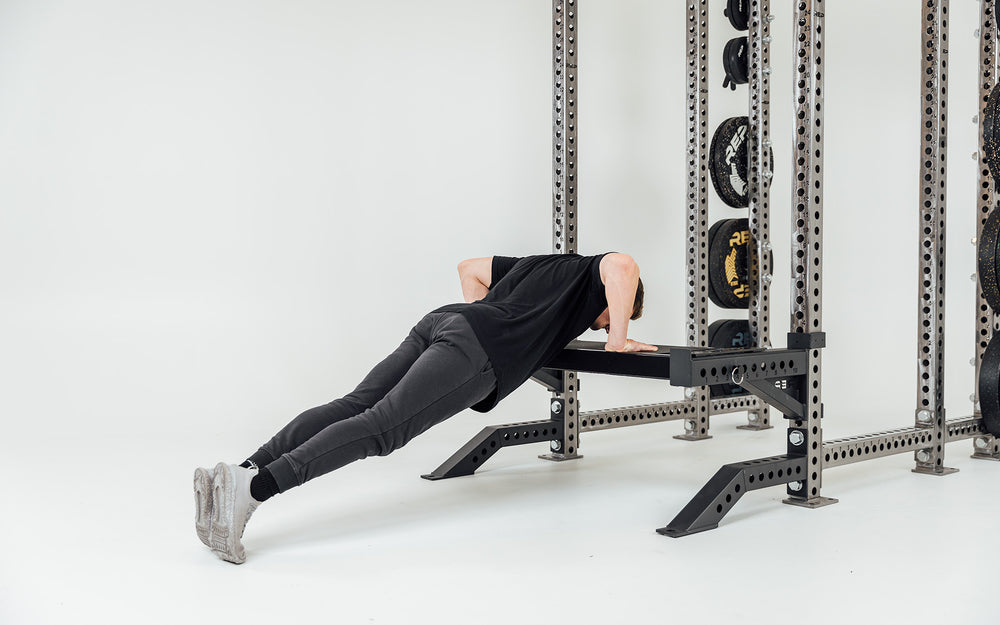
(260, 458)
(263, 486)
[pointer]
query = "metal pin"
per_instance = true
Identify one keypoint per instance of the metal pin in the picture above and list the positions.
(972, 398)
(975, 33)
(972, 361)
(973, 277)
(975, 156)
(974, 240)
(975, 119)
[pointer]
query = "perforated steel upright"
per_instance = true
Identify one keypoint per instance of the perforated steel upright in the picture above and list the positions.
(696, 426)
(565, 404)
(930, 412)
(758, 189)
(805, 437)
(985, 447)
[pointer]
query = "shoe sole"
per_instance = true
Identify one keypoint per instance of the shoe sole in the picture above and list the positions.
(203, 505)
(223, 542)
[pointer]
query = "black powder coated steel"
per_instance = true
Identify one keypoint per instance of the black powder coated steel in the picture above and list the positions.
(492, 439)
(728, 485)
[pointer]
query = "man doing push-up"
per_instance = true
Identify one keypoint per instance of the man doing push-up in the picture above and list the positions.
(518, 314)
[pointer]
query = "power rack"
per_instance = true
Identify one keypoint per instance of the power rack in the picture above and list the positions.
(757, 369)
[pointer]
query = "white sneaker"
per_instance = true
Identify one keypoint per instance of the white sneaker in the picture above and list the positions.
(233, 506)
(203, 504)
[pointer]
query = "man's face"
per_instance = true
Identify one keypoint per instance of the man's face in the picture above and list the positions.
(603, 322)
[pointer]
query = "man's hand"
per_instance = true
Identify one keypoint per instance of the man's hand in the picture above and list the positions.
(630, 346)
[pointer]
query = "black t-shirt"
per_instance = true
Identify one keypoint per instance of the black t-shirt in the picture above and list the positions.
(535, 307)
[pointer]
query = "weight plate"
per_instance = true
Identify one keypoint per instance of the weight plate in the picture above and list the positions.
(728, 274)
(729, 333)
(989, 386)
(988, 259)
(728, 163)
(738, 12)
(991, 134)
(734, 61)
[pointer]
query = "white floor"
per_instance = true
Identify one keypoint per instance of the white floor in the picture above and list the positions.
(91, 536)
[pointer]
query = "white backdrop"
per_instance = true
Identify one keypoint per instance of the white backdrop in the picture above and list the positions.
(214, 215)
(221, 213)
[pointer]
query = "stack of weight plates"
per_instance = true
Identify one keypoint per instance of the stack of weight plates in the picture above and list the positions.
(988, 259)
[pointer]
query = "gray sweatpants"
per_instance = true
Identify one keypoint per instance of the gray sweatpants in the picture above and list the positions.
(439, 370)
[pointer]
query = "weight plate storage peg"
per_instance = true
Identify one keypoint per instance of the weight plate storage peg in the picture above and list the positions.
(738, 12)
(728, 162)
(728, 264)
(989, 280)
(989, 386)
(734, 61)
(729, 334)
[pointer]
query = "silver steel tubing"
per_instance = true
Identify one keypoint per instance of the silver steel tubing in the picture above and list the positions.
(932, 211)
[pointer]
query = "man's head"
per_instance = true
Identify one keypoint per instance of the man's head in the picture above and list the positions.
(604, 321)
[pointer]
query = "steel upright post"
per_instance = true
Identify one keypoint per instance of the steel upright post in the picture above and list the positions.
(805, 436)
(930, 412)
(758, 190)
(696, 427)
(565, 405)
(985, 447)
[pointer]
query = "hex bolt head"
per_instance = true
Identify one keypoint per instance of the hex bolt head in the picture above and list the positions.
(753, 417)
(973, 277)
(923, 456)
(982, 443)
(972, 398)
(796, 437)
(975, 33)
(766, 278)
(973, 241)
(556, 407)
(795, 486)
(975, 119)
(769, 18)
(975, 156)
(924, 416)
(555, 445)
(690, 392)
(690, 426)
(972, 361)
(766, 39)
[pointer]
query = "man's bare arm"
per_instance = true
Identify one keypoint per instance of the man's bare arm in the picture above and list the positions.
(476, 275)
(620, 275)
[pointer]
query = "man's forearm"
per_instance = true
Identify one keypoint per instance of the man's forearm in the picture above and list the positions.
(620, 292)
(472, 289)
